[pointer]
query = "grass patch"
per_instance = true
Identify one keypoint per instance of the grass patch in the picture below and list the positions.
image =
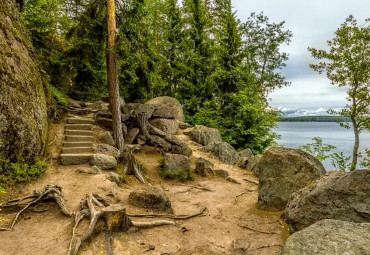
(12, 173)
(183, 175)
(60, 98)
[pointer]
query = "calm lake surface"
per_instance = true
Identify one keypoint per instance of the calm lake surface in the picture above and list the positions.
(294, 134)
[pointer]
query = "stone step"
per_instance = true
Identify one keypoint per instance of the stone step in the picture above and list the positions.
(79, 138)
(78, 126)
(79, 132)
(75, 159)
(79, 121)
(77, 144)
(74, 150)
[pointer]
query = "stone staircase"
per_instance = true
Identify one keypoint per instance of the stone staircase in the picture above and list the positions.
(78, 145)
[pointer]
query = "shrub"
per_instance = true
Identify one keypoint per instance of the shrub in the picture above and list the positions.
(12, 173)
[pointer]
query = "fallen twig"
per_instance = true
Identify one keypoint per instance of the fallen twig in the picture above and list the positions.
(197, 187)
(251, 181)
(170, 216)
(259, 231)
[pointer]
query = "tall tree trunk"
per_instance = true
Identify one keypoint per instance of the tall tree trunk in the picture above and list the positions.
(357, 142)
(114, 102)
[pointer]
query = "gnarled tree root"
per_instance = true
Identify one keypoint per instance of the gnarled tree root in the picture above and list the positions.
(51, 192)
(112, 218)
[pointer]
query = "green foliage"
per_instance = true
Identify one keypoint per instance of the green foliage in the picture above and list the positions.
(2, 190)
(345, 65)
(60, 97)
(12, 173)
(340, 162)
(365, 162)
(184, 175)
(262, 50)
(318, 149)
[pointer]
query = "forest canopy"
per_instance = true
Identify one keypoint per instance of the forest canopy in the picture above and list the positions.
(197, 51)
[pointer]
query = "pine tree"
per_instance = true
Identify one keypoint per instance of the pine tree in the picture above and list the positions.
(196, 87)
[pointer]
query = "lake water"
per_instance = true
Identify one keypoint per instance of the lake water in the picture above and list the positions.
(294, 134)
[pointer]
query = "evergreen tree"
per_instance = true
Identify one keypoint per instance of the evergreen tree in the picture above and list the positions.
(196, 87)
(173, 36)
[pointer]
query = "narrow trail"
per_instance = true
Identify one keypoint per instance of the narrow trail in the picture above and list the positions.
(231, 225)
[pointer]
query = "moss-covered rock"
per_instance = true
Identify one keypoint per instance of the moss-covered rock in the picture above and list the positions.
(23, 109)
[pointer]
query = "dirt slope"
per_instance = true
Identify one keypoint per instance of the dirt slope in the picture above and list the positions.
(231, 225)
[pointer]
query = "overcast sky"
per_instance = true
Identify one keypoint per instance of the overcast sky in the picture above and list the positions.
(312, 22)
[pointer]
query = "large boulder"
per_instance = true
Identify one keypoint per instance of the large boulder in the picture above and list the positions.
(337, 195)
(23, 110)
(224, 152)
(103, 161)
(176, 166)
(150, 197)
(329, 237)
(167, 107)
(168, 126)
(107, 149)
(204, 135)
(250, 163)
(281, 172)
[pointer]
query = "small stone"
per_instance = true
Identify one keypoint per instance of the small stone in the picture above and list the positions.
(114, 177)
(231, 179)
(151, 247)
(106, 137)
(150, 197)
(221, 173)
(203, 167)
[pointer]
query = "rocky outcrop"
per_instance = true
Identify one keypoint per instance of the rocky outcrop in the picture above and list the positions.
(224, 152)
(337, 195)
(204, 135)
(23, 110)
(329, 237)
(168, 126)
(283, 171)
(167, 107)
(150, 197)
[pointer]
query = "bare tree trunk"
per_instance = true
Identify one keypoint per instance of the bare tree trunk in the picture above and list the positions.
(114, 102)
(357, 142)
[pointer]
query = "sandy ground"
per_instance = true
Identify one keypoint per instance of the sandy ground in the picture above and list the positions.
(231, 224)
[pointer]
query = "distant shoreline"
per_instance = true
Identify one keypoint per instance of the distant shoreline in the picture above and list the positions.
(316, 119)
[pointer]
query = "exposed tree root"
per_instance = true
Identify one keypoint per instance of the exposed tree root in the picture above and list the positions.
(170, 216)
(51, 192)
(112, 218)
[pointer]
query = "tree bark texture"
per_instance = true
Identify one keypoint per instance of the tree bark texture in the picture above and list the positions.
(114, 102)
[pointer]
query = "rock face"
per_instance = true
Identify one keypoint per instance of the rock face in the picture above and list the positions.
(23, 111)
(103, 161)
(175, 165)
(283, 171)
(169, 126)
(329, 237)
(150, 197)
(337, 195)
(204, 135)
(224, 152)
(167, 107)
